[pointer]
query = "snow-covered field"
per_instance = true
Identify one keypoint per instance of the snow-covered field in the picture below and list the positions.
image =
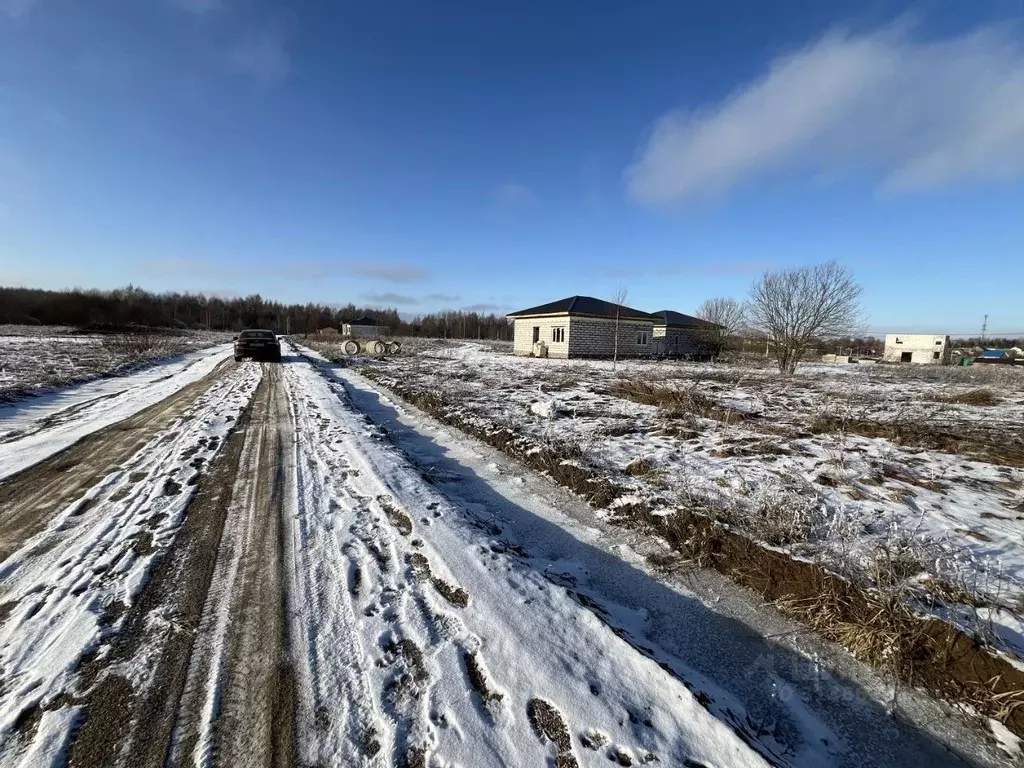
(281, 563)
(873, 471)
(38, 359)
(31, 429)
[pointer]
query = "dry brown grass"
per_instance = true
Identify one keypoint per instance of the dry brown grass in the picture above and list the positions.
(968, 441)
(675, 402)
(973, 397)
(880, 630)
(640, 468)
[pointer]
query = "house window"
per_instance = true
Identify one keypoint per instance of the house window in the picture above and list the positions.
(937, 343)
(536, 334)
(558, 335)
(935, 355)
(641, 338)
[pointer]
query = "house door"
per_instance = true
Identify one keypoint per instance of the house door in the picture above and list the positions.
(536, 334)
(906, 357)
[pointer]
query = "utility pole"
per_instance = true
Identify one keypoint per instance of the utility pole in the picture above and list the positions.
(984, 327)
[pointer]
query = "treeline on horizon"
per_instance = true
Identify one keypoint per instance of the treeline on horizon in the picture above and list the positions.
(131, 307)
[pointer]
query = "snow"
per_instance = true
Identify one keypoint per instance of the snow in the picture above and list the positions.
(533, 639)
(546, 599)
(1008, 626)
(1008, 742)
(34, 360)
(35, 428)
(961, 517)
(67, 582)
(559, 607)
(546, 409)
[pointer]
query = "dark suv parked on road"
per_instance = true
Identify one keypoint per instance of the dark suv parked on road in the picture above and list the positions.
(259, 345)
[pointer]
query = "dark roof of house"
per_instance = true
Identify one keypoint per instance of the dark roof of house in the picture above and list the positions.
(363, 321)
(679, 320)
(583, 305)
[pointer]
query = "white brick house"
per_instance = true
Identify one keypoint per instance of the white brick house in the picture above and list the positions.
(923, 348)
(679, 335)
(582, 326)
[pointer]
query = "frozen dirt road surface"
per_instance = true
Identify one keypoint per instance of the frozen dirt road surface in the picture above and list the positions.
(279, 566)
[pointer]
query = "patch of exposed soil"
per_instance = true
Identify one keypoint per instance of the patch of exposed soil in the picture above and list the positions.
(457, 596)
(397, 517)
(478, 678)
(550, 725)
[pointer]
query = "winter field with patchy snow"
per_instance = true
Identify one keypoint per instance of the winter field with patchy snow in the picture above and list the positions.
(35, 359)
(899, 477)
(216, 563)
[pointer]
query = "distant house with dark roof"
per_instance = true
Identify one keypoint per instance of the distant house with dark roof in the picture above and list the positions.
(363, 328)
(679, 335)
(582, 326)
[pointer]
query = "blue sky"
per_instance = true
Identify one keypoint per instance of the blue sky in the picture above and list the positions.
(502, 154)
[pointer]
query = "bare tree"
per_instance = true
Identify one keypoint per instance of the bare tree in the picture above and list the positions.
(795, 307)
(728, 313)
(729, 317)
(619, 300)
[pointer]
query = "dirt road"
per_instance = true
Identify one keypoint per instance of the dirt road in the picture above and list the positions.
(280, 566)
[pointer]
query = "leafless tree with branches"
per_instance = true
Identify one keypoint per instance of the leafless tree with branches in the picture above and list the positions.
(796, 307)
(729, 315)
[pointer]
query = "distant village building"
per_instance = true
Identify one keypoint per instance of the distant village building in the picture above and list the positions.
(327, 332)
(363, 328)
(679, 335)
(921, 348)
(994, 354)
(582, 326)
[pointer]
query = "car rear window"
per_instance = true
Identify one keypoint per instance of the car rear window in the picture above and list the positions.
(256, 335)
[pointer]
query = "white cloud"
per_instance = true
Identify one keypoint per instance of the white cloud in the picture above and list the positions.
(918, 115)
(390, 298)
(392, 273)
(514, 194)
(16, 8)
(261, 55)
(485, 308)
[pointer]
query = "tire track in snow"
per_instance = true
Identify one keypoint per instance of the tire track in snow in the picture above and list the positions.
(42, 427)
(71, 583)
(30, 498)
(236, 706)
